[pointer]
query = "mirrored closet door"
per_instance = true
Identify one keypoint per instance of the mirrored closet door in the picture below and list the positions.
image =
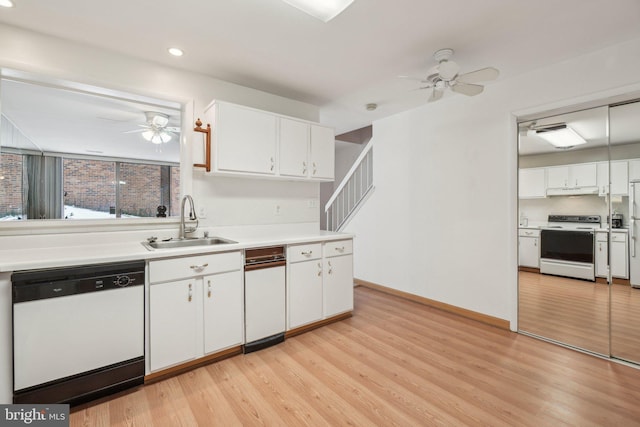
(564, 203)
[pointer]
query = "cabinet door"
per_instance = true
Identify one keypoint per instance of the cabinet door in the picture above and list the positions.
(338, 285)
(223, 302)
(583, 175)
(532, 183)
(619, 256)
(528, 253)
(294, 148)
(558, 177)
(245, 140)
(619, 178)
(304, 290)
(172, 323)
(602, 255)
(322, 154)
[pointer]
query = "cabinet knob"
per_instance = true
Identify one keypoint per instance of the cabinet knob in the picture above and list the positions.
(199, 267)
(190, 292)
(319, 269)
(208, 288)
(314, 168)
(272, 164)
(306, 253)
(304, 168)
(340, 249)
(330, 267)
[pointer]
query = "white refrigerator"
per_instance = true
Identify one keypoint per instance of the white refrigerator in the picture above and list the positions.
(634, 233)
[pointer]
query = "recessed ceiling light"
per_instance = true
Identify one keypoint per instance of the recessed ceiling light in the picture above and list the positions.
(6, 3)
(172, 50)
(324, 10)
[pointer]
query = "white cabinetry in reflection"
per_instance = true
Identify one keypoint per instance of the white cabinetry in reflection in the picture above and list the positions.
(572, 176)
(532, 183)
(529, 248)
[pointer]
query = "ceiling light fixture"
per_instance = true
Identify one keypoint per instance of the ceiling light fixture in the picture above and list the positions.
(156, 136)
(174, 51)
(6, 3)
(561, 136)
(324, 10)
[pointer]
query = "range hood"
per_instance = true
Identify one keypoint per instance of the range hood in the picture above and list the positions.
(571, 191)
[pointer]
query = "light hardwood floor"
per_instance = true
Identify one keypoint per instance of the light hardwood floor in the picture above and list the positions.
(395, 362)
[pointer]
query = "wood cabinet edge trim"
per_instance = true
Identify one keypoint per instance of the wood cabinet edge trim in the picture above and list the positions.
(184, 367)
(315, 325)
(469, 314)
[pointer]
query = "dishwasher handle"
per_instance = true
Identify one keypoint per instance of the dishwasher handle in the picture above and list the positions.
(263, 265)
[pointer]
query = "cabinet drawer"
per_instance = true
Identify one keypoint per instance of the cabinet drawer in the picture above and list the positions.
(601, 237)
(528, 232)
(339, 247)
(618, 237)
(296, 253)
(178, 268)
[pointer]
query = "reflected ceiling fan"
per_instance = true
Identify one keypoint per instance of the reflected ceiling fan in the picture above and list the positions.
(156, 130)
(446, 75)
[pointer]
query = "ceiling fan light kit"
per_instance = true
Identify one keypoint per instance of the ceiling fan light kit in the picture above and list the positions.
(446, 75)
(156, 130)
(324, 10)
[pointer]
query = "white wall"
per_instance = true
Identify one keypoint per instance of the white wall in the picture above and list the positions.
(442, 221)
(55, 58)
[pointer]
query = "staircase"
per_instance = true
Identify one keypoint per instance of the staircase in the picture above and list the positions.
(354, 189)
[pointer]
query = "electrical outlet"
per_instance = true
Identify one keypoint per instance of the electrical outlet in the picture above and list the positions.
(278, 210)
(312, 203)
(202, 213)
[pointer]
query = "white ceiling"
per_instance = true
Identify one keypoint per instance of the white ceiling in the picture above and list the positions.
(350, 61)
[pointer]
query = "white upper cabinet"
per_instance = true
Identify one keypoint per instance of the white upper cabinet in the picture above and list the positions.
(619, 178)
(322, 154)
(244, 140)
(532, 183)
(572, 176)
(250, 142)
(294, 147)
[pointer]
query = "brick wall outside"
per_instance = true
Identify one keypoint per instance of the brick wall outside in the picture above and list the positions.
(11, 170)
(90, 184)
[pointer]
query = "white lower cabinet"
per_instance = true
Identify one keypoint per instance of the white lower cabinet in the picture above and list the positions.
(602, 254)
(304, 290)
(190, 317)
(173, 323)
(529, 248)
(223, 311)
(619, 255)
(338, 277)
(319, 281)
(613, 255)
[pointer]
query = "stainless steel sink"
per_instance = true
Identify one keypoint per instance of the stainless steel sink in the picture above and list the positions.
(183, 243)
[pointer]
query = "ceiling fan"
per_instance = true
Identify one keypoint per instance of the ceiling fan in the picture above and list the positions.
(156, 130)
(446, 75)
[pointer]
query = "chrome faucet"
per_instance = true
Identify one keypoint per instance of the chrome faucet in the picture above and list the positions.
(192, 217)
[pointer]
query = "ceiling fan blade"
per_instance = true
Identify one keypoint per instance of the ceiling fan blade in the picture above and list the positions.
(448, 70)
(467, 89)
(481, 75)
(173, 129)
(136, 131)
(435, 95)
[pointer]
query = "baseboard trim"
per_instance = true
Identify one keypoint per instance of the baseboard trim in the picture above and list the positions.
(315, 325)
(469, 314)
(529, 269)
(185, 367)
(618, 281)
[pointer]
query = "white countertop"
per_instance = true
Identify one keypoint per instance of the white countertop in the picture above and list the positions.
(34, 252)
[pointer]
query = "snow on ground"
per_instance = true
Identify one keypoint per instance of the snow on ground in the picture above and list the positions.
(74, 212)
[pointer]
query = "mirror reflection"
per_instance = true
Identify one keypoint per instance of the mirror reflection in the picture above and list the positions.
(579, 267)
(564, 198)
(74, 154)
